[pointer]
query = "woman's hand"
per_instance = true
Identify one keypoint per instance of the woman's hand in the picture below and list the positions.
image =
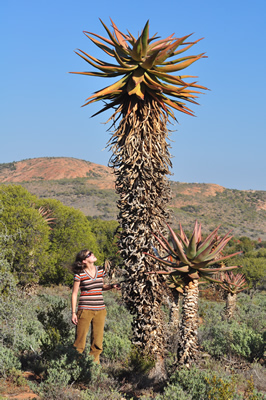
(111, 286)
(116, 286)
(74, 319)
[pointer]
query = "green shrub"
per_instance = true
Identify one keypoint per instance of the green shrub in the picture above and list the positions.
(219, 389)
(101, 394)
(20, 328)
(8, 360)
(141, 363)
(55, 322)
(46, 391)
(16, 377)
(64, 367)
(75, 367)
(173, 392)
(116, 340)
(251, 393)
(203, 385)
(8, 281)
(242, 337)
(252, 310)
(231, 339)
(192, 381)
(116, 347)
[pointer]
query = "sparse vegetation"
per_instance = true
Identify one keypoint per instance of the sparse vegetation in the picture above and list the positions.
(42, 343)
(36, 335)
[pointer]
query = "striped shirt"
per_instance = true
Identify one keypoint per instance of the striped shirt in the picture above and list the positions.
(91, 297)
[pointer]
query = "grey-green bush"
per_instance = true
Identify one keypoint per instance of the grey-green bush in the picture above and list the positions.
(8, 360)
(116, 340)
(232, 339)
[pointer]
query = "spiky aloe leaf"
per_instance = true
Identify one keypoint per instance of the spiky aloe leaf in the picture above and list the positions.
(160, 260)
(180, 52)
(122, 39)
(183, 236)
(148, 63)
(144, 39)
(205, 247)
(218, 249)
(178, 247)
(223, 258)
(170, 50)
(192, 246)
(219, 269)
(165, 244)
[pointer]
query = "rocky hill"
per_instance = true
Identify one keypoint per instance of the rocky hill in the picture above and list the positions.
(90, 188)
(56, 168)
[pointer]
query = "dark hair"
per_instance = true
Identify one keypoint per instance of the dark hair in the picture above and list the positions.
(78, 265)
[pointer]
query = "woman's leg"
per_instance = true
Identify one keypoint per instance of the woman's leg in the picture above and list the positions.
(82, 329)
(97, 329)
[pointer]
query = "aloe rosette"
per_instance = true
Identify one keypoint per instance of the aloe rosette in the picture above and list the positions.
(189, 259)
(233, 283)
(145, 68)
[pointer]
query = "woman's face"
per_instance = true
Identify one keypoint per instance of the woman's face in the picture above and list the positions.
(90, 258)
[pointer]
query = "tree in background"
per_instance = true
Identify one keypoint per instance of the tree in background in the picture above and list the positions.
(106, 234)
(144, 99)
(71, 232)
(187, 261)
(27, 233)
(35, 249)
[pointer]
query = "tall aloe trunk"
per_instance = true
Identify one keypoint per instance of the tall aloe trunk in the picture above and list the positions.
(174, 321)
(188, 342)
(230, 306)
(141, 160)
(174, 313)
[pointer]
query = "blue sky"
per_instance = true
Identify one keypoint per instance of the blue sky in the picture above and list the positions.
(40, 102)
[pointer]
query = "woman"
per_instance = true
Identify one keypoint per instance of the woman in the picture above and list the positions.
(91, 308)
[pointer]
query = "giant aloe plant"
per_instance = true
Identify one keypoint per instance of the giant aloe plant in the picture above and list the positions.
(187, 261)
(147, 93)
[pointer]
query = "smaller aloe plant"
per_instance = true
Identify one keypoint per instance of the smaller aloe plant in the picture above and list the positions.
(190, 259)
(232, 283)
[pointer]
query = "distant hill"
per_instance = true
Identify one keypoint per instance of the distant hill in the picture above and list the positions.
(56, 168)
(90, 188)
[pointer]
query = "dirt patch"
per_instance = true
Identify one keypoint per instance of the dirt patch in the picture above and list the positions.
(11, 390)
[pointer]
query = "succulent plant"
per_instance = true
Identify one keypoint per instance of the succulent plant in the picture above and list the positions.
(189, 259)
(145, 96)
(232, 283)
(145, 68)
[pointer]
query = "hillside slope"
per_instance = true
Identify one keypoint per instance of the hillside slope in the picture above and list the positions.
(90, 188)
(56, 168)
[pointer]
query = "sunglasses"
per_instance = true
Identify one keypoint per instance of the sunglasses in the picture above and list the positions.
(89, 254)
